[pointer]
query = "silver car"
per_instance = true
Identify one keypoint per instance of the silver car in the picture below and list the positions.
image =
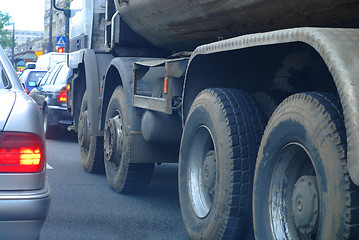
(24, 189)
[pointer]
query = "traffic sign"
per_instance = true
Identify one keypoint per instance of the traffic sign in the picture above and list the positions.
(61, 41)
(38, 53)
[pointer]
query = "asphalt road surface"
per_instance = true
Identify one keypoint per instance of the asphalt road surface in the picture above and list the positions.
(83, 206)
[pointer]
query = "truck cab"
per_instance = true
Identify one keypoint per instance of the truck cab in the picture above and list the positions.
(87, 25)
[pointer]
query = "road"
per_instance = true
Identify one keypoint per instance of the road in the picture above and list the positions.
(83, 206)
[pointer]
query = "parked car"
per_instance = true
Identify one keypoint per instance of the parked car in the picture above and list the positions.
(24, 189)
(31, 78)
(51, 97)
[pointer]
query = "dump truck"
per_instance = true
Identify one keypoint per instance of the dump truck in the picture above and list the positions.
(257, 102)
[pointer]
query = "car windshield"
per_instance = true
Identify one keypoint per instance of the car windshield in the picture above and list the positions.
(36, 76)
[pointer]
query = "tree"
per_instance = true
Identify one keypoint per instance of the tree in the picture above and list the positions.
(5, 20)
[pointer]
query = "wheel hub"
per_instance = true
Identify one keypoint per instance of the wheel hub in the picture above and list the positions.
(209, 171)
(202, 172)
(113, 140)
(305, 204)
(83, 134)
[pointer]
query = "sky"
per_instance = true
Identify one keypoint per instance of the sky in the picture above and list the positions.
(27, 14)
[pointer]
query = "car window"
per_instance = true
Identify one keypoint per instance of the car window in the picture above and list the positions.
(61, 78)
(36, 76)
(47, 79)
(46, 76)
(53, 77)
(4, 81)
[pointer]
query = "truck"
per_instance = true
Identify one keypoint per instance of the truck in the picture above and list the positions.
(257, 102)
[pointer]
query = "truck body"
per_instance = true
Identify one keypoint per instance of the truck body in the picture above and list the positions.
(256, 100)
(49, 60)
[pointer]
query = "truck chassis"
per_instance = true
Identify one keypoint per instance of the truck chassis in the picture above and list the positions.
(264, 126)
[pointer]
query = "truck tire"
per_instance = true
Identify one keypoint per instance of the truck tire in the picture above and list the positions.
(50, 131)
(217, 157)
(91, 147)
(302, 189)
(123, 176)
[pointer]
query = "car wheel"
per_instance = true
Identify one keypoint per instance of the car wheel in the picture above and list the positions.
(123, 176)
(302, 189)
(216, 168)
(91, 147)
(50, 131)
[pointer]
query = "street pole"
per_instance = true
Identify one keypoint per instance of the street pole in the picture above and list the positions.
(13, 46)
(67, 13)
(50, 28)
(67, 28)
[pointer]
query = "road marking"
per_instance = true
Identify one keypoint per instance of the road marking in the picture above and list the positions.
(48, 166)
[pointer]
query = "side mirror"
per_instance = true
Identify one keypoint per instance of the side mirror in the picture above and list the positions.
(32, 84)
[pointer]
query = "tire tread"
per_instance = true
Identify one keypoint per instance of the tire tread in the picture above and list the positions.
(131, 178)
(244, 127)
(92, 160)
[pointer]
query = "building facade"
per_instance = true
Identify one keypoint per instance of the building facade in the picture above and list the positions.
(29, 44)
(28, 40)
(23, 36)
(58, 23)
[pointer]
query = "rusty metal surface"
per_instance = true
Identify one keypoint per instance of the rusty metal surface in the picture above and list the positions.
(340, 50)
(185, 24)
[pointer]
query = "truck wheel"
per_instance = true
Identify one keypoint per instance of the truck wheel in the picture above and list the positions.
(91, 147)
(123, 176)
(217, 158)
(302, 189)
(50, 131)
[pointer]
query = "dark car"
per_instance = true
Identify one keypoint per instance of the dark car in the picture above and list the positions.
(24, 189)
(31, 78)
(51, 97)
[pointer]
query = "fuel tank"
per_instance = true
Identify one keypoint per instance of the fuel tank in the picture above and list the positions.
(185, 24)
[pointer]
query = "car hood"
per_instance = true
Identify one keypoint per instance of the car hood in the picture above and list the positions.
(7, 100)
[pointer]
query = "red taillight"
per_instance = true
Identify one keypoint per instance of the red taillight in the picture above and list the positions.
(21, 152)
(62, 96)
(27, 91)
